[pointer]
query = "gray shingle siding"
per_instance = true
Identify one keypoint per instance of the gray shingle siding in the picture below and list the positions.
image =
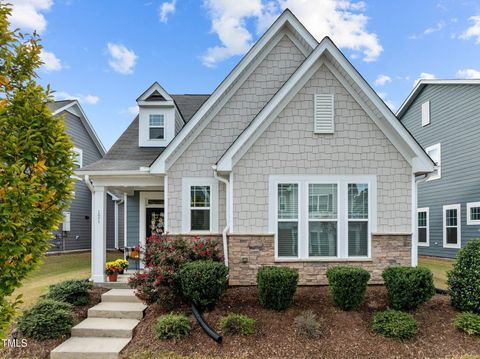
(133, 212)
(455, 124)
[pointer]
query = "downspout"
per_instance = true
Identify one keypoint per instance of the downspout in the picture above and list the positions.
(226, 229)
(415, 182)
(88, 183)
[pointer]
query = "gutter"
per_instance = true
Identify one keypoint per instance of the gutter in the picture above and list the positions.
(227, 227)
(89, 183)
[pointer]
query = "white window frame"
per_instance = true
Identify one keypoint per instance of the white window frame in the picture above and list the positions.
(187, 183)
(459, 226)
(470, 221)
(78, 156)
(438, 174)
(156, 126)
(342, 214)
(425, 113)
(144, 126)
(427, 210)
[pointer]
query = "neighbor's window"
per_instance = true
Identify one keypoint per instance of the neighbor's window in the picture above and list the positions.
(423, 226)
(156, 127)
(473, 213)
(425, 113)
(451, 226)
(200, 208)
(288, 220)
(77, 157)
(357, 219)
(435, 154)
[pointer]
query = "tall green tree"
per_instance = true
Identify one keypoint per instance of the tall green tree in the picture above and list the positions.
(36, 164)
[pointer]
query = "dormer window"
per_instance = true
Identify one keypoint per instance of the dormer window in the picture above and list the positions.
(156, 127)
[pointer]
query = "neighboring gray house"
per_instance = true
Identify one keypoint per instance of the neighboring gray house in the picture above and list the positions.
(293, 160)
(444, 117)
(75, 233)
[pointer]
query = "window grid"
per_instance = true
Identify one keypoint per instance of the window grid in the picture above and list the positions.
(156, 127)
(423, 227)
(200, 208)
(451, 226)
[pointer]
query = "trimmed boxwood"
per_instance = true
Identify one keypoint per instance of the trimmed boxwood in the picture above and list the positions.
(394, 324)
(47, 319)
(464, 278)
(408, 287)
(468, 322)
(172, 326)
(203, 282)
(237, 324)
(347, 286)
(76, 292)
(276, 286)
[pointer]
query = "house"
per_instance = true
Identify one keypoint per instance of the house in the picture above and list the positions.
(293, 160)
(444, 116)
(75, 233)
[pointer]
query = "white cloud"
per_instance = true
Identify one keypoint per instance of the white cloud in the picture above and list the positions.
(50, 61)
(88, 99)
(391, 104)
(133, 109)
(468, 74)
(166, 9)
(424, 75)
(343, 20)
(122, 60)
(382, 80)
(473, 31)
(438, 26)
(27, 14)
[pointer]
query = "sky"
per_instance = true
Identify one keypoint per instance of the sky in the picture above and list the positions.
(106, 53)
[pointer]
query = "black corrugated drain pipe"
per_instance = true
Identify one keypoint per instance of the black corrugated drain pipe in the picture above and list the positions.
(206, 328)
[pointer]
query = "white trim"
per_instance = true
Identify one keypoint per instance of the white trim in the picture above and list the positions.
(143, 205)
(99, 234)
(125, 219)
(115, 221)
(427, 210)
(388, 123)
(470, 221)
(154, 87)
(229, 86)
(85, 122)
(78, 156)
(425, 113)
(331, 125)
(438, 166)
(165, 202)
(187, 182)
(342, 181)
(230, 211)
(459, 226)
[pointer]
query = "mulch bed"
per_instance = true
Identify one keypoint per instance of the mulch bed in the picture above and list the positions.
(345, 334)
(41, 349)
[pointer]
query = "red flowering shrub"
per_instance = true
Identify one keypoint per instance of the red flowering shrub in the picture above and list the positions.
(163, 257)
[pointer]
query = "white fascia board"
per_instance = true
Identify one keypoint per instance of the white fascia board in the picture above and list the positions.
(127, 180)
(80, 172)
(85, 122)
(168, 103)
(185, 134)
(154, 87)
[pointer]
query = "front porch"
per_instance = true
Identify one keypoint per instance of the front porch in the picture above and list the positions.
(145, 203)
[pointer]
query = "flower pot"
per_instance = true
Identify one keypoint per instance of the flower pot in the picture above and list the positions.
(121, 271)
(112, 277)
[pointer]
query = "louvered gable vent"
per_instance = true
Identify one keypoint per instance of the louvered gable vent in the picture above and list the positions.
(323, 113)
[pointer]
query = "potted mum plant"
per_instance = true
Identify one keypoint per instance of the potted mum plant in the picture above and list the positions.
(123, 264)
(112, 269)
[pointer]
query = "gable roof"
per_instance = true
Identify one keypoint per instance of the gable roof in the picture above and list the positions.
(424, 82)
(385, 120)
(58, 107)
(155, 93)
(229, 85)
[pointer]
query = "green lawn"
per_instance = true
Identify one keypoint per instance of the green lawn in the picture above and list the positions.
(57, 268)
(439, 268)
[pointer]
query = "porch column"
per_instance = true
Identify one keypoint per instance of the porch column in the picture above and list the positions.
(99, 234)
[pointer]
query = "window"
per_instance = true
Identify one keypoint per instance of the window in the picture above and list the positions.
(199, 205)
(423, 227)
(156, 126)
(324, 113)
(435, 154)
(77, 157)
(473, 213)
(426, 113)
(322, 217)
(451, 226)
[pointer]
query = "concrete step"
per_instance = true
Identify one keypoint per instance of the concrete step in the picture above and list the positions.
(120, 295)
(117, 310)
(86, 348)
(105, 328)
(113, 285)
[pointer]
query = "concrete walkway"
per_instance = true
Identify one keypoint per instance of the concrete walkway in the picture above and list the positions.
(107, 330)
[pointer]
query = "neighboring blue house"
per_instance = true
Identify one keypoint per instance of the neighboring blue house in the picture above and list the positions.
(75, 233)
(444, 117)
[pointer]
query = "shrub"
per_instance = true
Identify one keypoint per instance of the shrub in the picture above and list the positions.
(468, 322)
(236, 324)
(307, 324)
(276, 286)
(408, 287)
(76, 292)
(48, 319)
(394, 324)
(163, 258)
(172, 326)
(347, 286)
(464, 278)
(203, 282)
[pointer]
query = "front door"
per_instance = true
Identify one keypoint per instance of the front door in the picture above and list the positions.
(154, 221)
